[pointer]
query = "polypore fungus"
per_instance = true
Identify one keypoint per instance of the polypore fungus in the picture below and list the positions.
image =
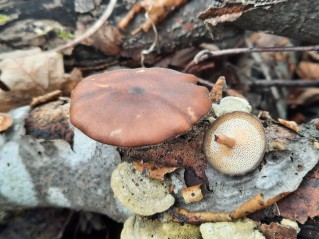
(140, 194)
(229, 104)
(145, 228)
(235, 143)
(138, 107)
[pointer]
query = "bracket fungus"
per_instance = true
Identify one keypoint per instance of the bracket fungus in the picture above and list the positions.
(230, 104)
(138, 107)
(140, 194)
(145, 228)
(235, 143)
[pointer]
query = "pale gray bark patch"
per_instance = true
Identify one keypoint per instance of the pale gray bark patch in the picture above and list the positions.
(282, 171)
(49, 173)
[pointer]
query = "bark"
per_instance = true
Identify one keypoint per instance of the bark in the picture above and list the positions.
(46, 162)
(290, 18)
(181, 29)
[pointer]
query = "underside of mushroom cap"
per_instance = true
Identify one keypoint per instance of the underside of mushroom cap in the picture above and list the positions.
(138, 107)
(250, 143)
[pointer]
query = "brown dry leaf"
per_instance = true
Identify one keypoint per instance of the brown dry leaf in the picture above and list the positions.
(71, 81)
(151, 170)
(316, 123)
(304, 202)
(27, 75)
(290, 124)
(277, 231)
(5, 122)
(157, 11)
(107, 39)
(192, 194)
(306, 97)
(308, 70)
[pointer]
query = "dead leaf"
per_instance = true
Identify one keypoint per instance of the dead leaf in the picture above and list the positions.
(157, 11)
(107, 39)
(27, 75)
(304, 97)
(71, 81)
(277, 231)
(308, 70)
(5, 122)
(151, 170)
(290, 124)
(304, 202)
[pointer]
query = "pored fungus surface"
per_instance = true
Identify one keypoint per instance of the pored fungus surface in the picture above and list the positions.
(138, 107)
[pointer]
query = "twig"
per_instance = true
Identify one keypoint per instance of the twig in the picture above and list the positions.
(96, 26)
(274, 82)
(285, 83)
(280, 106)
(207, 54)
(205, 82)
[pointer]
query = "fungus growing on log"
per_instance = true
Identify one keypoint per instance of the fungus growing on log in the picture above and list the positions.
(138, 107)
(235, 143)
(140, 194)
(229, 104)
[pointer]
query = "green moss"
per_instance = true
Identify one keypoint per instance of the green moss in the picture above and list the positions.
(65, 34)
(4, 19)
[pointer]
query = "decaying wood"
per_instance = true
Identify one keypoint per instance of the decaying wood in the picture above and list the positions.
(181, 29)
(291, 18)
(71, 170)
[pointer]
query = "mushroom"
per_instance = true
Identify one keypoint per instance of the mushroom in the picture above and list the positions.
(241, 229)
(229, 104)
(235, 143)
(140, 194)
(145, 228)
(138, 107)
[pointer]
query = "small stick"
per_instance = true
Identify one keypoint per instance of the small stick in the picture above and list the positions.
(225, 140)
(207, 54)
(285, 83)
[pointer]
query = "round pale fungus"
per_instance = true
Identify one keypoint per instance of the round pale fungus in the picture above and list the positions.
(138, 107)
(235, 143)
(140, 194)
(229, 104)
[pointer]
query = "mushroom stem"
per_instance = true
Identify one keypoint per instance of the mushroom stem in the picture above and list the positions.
(225, 140)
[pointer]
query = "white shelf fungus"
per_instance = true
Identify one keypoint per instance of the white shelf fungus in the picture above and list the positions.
(230, 104)
(140, 194)
(144, 228)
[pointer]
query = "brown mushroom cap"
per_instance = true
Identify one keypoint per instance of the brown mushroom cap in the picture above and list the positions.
(250, 143)
(137, 107)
